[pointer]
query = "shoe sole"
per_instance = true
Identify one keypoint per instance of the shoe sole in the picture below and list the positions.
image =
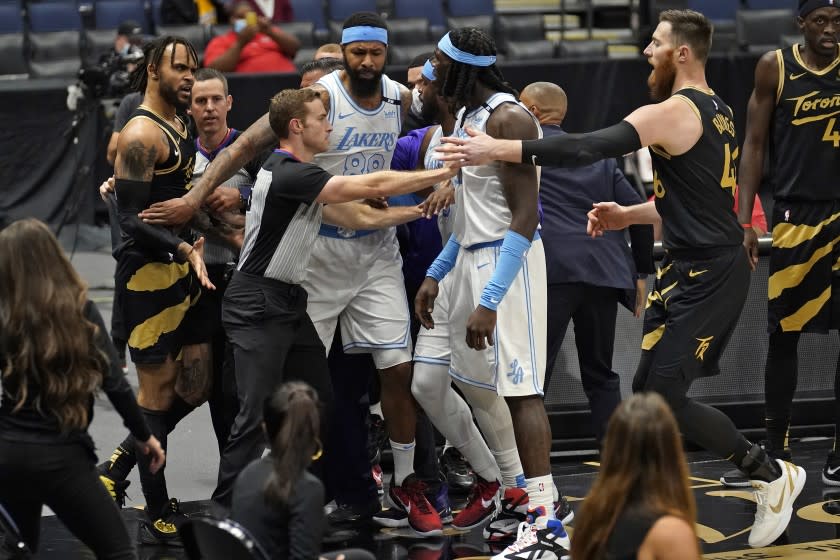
(432, 533)
(785, 518)
(730, 484)
(475, 524)
(391, 523)
(147, 538)
(828, 481)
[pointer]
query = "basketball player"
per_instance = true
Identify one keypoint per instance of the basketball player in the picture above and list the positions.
(794, 104)
(703, 280)
(159, 273)
(495, 264)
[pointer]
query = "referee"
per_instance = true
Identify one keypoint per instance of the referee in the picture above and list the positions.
(264, 307)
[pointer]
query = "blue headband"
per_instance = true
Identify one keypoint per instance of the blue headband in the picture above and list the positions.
(456, 54)
(364, 33)
(812, 5)
(428, 71)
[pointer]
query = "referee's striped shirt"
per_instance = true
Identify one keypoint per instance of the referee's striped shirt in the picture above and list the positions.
(283, 219)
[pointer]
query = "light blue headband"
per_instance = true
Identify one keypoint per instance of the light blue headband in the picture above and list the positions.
(364, 33)
(428, 71)
(456, 54)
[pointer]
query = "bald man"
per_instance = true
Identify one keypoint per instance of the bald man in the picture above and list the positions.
(587, 277)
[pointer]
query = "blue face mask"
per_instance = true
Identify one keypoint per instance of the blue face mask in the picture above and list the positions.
(125, 49)
(239, 25)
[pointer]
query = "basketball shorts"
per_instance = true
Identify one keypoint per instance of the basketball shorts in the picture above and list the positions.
(515, 364)
(803, 288)
(358, 283)
(156, 295)
(693, 309)
(433, 344)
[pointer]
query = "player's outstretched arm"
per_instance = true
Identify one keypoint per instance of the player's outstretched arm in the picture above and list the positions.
(344, 188)
(358, 215)
(612, 216)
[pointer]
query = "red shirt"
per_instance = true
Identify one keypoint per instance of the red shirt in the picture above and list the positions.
(261, 54)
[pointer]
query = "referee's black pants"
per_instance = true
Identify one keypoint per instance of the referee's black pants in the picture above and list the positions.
(593, 309)
(273, 341)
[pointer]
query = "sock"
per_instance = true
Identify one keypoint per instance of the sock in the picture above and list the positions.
(154, 485)
(510, 467)
(403, 454)
(540, 493)
(376, 409)
(758, 465)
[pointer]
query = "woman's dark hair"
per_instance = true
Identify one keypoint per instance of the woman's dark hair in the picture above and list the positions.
(153, 55)
(292, 422)
(460, 79)
(642, 465)
(50, 359)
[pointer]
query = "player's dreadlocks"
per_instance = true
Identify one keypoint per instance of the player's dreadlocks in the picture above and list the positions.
(460, 79)
(153, 54)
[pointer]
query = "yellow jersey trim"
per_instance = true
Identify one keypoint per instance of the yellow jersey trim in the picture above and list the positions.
(822, 72)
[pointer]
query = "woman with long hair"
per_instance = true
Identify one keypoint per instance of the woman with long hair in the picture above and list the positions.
(54, 355)
(641, 505)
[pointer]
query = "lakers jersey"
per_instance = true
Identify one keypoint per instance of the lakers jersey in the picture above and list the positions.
(482, 214)
(172, 178)
(695, 191)
(806, 129)
(447, 216)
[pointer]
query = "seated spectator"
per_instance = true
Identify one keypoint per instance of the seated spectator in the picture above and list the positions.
(277, 11)
(314, 70)
(252, 45)
(275, 498)
(55, 354)
(329, 50)
(641, 505)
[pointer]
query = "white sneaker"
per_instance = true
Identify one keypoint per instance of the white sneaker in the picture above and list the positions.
(545, 539)
(775, 504)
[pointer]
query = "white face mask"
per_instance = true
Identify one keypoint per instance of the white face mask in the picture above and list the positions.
(239, 25)
(416, 102)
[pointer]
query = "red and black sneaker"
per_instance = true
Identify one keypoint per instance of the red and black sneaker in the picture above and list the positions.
(409, 497)
(512, 512)
(481, 505)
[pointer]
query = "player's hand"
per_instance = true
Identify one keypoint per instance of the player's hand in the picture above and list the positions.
(106, 188)
(480, 327)
(223, 199)
(424, 302)
(152, 446)
(172, 212)
(606, 216)
(475, 150)
(195, 256)
(641, 297)
(439, 200)
(751, 246)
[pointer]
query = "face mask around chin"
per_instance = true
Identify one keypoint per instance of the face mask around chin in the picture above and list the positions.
(416, 102)
(239, 25)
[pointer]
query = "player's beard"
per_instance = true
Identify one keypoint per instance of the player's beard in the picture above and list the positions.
(170, 95)
(661, 79)
(364, 87)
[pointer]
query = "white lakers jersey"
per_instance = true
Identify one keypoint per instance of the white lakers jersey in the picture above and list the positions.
(446, 218)
(481, 210)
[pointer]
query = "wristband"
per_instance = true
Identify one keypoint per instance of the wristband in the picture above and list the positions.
(445, 260)
(747, 226)
(511, 255)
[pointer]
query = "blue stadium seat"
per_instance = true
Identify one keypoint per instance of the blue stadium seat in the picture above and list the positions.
(109, 14)
(309, 10)
(461, 8)
(772, 5)
(339, 10)
(11, 19)
(431, 10)
(715, 9)
(53, 16)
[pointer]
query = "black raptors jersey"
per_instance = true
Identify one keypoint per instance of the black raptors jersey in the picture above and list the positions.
(695, 191)
(172, 177)
(805, 151)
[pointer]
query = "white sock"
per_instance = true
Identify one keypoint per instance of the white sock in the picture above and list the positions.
(540, 493)
(403, 454)
(376, 409)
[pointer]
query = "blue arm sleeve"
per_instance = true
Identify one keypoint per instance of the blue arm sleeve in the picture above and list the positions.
(511, 255)
(445, 260)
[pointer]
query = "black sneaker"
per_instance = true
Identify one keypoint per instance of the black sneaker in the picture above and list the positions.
(736, 478)
(377, 438)
(831, 470)
(345, 514)
(163, 530)
(116, 488)
(459, 475)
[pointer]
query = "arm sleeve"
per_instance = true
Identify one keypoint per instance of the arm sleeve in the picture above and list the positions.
(132, 198)
(575, 150)
(114, 383)
(407, 151)
(514, 248)
(641, 245)
(445, 260)
(301, 181)
(306, 521)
